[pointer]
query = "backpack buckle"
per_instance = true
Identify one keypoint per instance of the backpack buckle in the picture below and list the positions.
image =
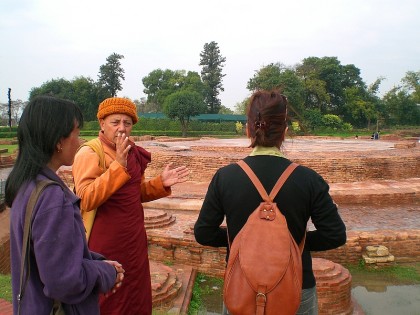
(259, 300)
(267, 212)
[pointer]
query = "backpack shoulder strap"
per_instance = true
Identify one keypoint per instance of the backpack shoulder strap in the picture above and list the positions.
(254, 179)
(257, 183)
(96, 145)
(40, 186)
(282, 180)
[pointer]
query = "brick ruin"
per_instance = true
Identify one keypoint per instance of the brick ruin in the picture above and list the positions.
(368, 178)
(376, 178)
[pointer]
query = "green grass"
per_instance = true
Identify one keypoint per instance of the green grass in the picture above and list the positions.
(6, 287)
(202, 287)
(196, 299)
(11, 148)
(408, 273)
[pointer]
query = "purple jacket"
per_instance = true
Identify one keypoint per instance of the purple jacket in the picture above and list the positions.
(61, 265)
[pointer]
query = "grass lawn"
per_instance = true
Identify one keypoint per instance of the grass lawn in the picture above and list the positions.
(10, 148)
(408, 273)
(6, 287)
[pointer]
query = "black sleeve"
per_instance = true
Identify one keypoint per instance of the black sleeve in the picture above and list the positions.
(330, 229)
(207, 230)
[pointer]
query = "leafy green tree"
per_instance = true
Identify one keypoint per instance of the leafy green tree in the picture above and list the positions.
(88, 95)
(225, 110)
(326, 80)
(111, 74)
(374, 87)
(82, 90)
(56, 87)
(401, 108)
(183, 105)
(240, 107)
(267, 78)
(359, 108)
(332, 121)
(159, 84)
(313, 118)
(411, 83)
(316, 95)
(211, 74)
(278, 76)
(191, 82)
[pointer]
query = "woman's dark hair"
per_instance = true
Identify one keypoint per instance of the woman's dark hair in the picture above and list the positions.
(267, 118)
(44, 121)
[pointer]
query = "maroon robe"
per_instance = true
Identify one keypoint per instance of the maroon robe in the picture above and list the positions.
(119, 234)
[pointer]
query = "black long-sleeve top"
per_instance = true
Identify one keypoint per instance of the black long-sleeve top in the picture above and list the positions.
(304, 195)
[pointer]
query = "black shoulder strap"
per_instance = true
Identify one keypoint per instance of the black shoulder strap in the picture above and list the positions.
(257, 183)
(40, 186)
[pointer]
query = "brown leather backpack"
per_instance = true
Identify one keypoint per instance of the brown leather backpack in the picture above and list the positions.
(264, 270)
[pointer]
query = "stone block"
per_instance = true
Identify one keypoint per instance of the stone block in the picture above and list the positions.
(377, 251)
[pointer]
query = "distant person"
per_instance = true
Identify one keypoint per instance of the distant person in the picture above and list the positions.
(117, 192)
(61, 266)
(376, 135)
(304, 195)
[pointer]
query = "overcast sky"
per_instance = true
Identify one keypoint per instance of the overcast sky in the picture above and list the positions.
(41, 40)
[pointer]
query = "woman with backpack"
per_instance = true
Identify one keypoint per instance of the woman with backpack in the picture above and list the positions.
(303, 196)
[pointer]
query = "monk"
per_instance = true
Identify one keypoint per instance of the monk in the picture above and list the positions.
(109, 178)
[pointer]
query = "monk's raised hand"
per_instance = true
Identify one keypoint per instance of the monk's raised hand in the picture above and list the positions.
(171, 176)
(122, 148)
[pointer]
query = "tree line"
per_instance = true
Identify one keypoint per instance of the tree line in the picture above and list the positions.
(321, 92)
(317, 87)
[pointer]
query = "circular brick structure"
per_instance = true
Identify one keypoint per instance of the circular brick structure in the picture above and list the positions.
(333, 285)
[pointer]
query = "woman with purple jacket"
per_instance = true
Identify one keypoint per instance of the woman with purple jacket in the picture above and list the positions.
(61, 267)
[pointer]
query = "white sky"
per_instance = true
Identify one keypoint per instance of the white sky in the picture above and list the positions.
(42, 40)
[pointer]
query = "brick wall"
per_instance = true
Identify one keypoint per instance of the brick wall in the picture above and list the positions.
(404, 245)
(334, 169)
(5, 255)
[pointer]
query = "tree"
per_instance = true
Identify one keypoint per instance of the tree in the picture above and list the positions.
(411, 83)
(16, 110)
(359, 110)
(159, 84)
(374, 87)
(267, 78)
(183, 105)
(211, 74)
(81, 90)
(401, 107)
(278, 76)
(225, 110)
(56, 87)
(325, 81)
(240, 107)
(111, 74)
(88, 94)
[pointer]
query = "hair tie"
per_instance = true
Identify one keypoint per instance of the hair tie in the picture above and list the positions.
(260, 125)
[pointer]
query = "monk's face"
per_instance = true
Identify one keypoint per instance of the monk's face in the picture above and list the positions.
(115, 124)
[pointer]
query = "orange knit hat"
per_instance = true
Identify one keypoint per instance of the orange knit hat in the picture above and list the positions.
(117, 105)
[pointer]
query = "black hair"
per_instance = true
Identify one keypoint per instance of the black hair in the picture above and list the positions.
(44, 121)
